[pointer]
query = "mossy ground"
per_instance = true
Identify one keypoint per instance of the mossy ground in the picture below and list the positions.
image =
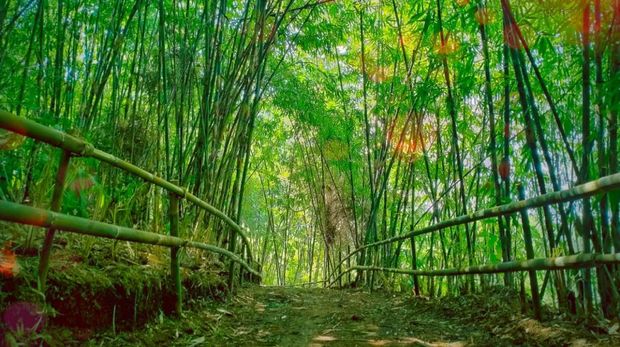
(96, 285)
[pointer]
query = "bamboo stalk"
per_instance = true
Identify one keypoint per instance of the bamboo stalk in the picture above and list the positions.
(59, 186)
(22, 214)
(583, 260)
(455, 141)
(552, 105)
(173, 213)
(57, 138)
(589, 231)
(603, 184)
(488, 94)
(529, 250)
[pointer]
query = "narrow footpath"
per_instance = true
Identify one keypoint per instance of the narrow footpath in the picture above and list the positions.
(277, 316)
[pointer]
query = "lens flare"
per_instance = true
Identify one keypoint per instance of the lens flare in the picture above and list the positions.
(447, 46)
(504, 169)
(10, 140)
(23, 317)
(36, 219)
(483, 16)
(406, 138)
(81, 183)
(511, 36)
(379, 74)
(8, 263)
(409, 40)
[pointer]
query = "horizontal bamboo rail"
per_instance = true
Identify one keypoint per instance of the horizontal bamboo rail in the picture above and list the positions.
(601, 185)
(77, 146)
(22, 214)
(558, 263)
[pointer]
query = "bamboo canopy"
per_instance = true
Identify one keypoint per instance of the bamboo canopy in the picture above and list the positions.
(17, 213)
(583, 260)
(80, 147)
(601, 185)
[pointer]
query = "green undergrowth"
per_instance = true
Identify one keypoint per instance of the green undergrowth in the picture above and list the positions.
(98, 284)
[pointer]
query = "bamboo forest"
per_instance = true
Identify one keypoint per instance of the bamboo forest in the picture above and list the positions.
(309, 173)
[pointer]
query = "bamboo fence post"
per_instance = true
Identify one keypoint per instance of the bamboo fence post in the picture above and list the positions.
(46, 249)
(231, 268)
(529, 250)
(173, 214)
(414, 261)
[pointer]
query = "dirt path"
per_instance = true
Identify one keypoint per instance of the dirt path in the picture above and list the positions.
(289, 317)
(271, 316)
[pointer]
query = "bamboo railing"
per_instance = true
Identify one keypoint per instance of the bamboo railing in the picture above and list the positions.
(601, 185)
(79, 147)
(558, 263)
(22, 214)
(584, 260)
(72, 146)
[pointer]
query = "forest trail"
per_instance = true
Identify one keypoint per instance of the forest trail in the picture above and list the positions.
(285, 316)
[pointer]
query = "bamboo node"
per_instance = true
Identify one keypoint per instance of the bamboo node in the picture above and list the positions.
(62, 138)
(87, 150)
(51, 218)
